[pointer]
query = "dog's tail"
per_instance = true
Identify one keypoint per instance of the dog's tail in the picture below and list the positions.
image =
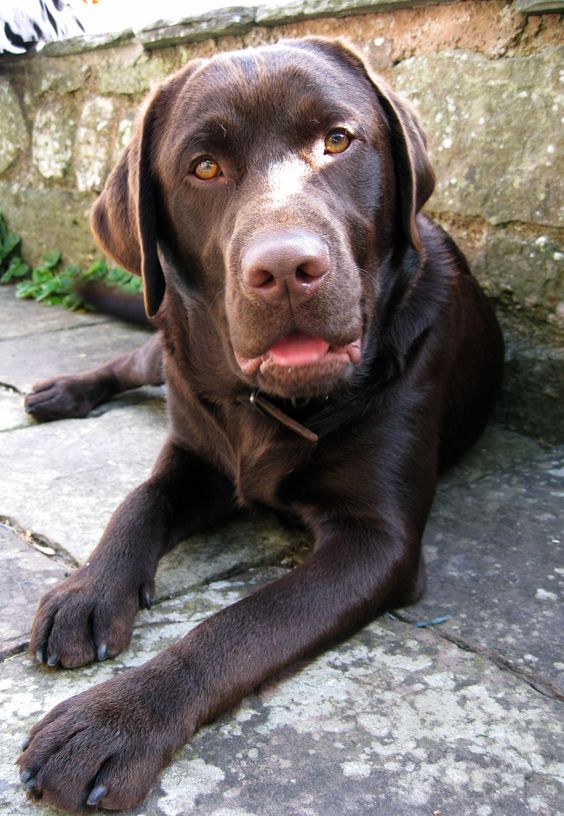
(111, 301)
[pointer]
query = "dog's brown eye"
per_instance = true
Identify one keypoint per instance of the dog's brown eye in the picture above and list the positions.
(337, 141)
(207, 169)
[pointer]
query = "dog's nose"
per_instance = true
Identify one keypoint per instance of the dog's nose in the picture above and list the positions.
(278, 266)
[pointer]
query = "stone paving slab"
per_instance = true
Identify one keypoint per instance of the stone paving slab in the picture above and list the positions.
(398, 720)
(64, 352)
(12, 414)
(38, 342)
(64, 479)
(497, 449)
(393, 721)
(25, 575)
(253, 540)
(19, 318)
(495, 554)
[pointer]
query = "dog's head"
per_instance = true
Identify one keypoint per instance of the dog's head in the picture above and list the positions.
(274, 185)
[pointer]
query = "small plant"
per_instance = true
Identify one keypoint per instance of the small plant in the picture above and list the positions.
(49, 282)
(11, 265)
(114, 276)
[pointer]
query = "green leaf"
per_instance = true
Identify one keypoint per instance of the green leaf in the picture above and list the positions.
(52, 259)
(26, 289)
(9, 244)
(16, 269)
(40, 274)
(72, 301)
(53, 300)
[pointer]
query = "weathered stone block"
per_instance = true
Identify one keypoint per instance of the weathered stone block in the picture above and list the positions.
(132, 71)
(13, 129)
(92, 151)
(124, 134)
(539, 6)
(52, 140)
(127, 448)
(134, 79)
(12, 415)
(532, 395)
(495, 132)
(395, 720)
(81, 345)
(528, 272)
(64, 77)
(216, 23)
(92, 42)
(49, 219)
(273, 14)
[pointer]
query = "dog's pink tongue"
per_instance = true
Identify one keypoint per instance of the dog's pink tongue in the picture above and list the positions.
(298, 349)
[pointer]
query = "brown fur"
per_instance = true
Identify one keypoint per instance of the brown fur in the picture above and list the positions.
(229, 270)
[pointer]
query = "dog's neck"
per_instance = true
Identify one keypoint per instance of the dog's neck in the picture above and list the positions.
(325, 415)
(265, 406)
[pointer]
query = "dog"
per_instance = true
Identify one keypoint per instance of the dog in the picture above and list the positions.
(327, 353)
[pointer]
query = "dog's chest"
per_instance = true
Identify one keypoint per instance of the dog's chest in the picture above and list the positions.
(254, 451)
(265, 455)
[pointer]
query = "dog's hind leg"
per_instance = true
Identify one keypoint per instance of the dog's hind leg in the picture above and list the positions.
(76, 395)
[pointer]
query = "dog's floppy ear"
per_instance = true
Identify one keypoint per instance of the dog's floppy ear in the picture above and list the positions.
(124, 219)
(415, 176)
(125, 216)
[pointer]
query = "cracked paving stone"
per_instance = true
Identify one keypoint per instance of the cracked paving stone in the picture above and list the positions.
(253, 539)
(394, 720)
(25, 575)
(64, 479)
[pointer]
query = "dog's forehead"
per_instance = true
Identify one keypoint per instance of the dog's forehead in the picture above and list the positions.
(255, 80)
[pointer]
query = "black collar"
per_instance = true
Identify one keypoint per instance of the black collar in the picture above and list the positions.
(265, 406)
(325, 415)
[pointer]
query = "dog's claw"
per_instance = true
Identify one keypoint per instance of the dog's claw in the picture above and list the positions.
(39, 655)
(24, 745)
(25, 776)
(96, 795)
(52, 661)
(102, 651)
(146, 599)
(31, 784)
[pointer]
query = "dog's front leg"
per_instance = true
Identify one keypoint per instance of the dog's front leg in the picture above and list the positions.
(107, 745)
(90, 615)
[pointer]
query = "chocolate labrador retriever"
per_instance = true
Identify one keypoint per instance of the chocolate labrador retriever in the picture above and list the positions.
(326, 352)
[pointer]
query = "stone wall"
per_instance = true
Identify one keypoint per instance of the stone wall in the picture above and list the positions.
(486, 77)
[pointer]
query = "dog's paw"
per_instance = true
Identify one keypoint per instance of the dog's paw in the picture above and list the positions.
(58, 398)
(106, 746)
(87, 617)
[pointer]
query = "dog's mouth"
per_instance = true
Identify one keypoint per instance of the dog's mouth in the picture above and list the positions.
(301, 360)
